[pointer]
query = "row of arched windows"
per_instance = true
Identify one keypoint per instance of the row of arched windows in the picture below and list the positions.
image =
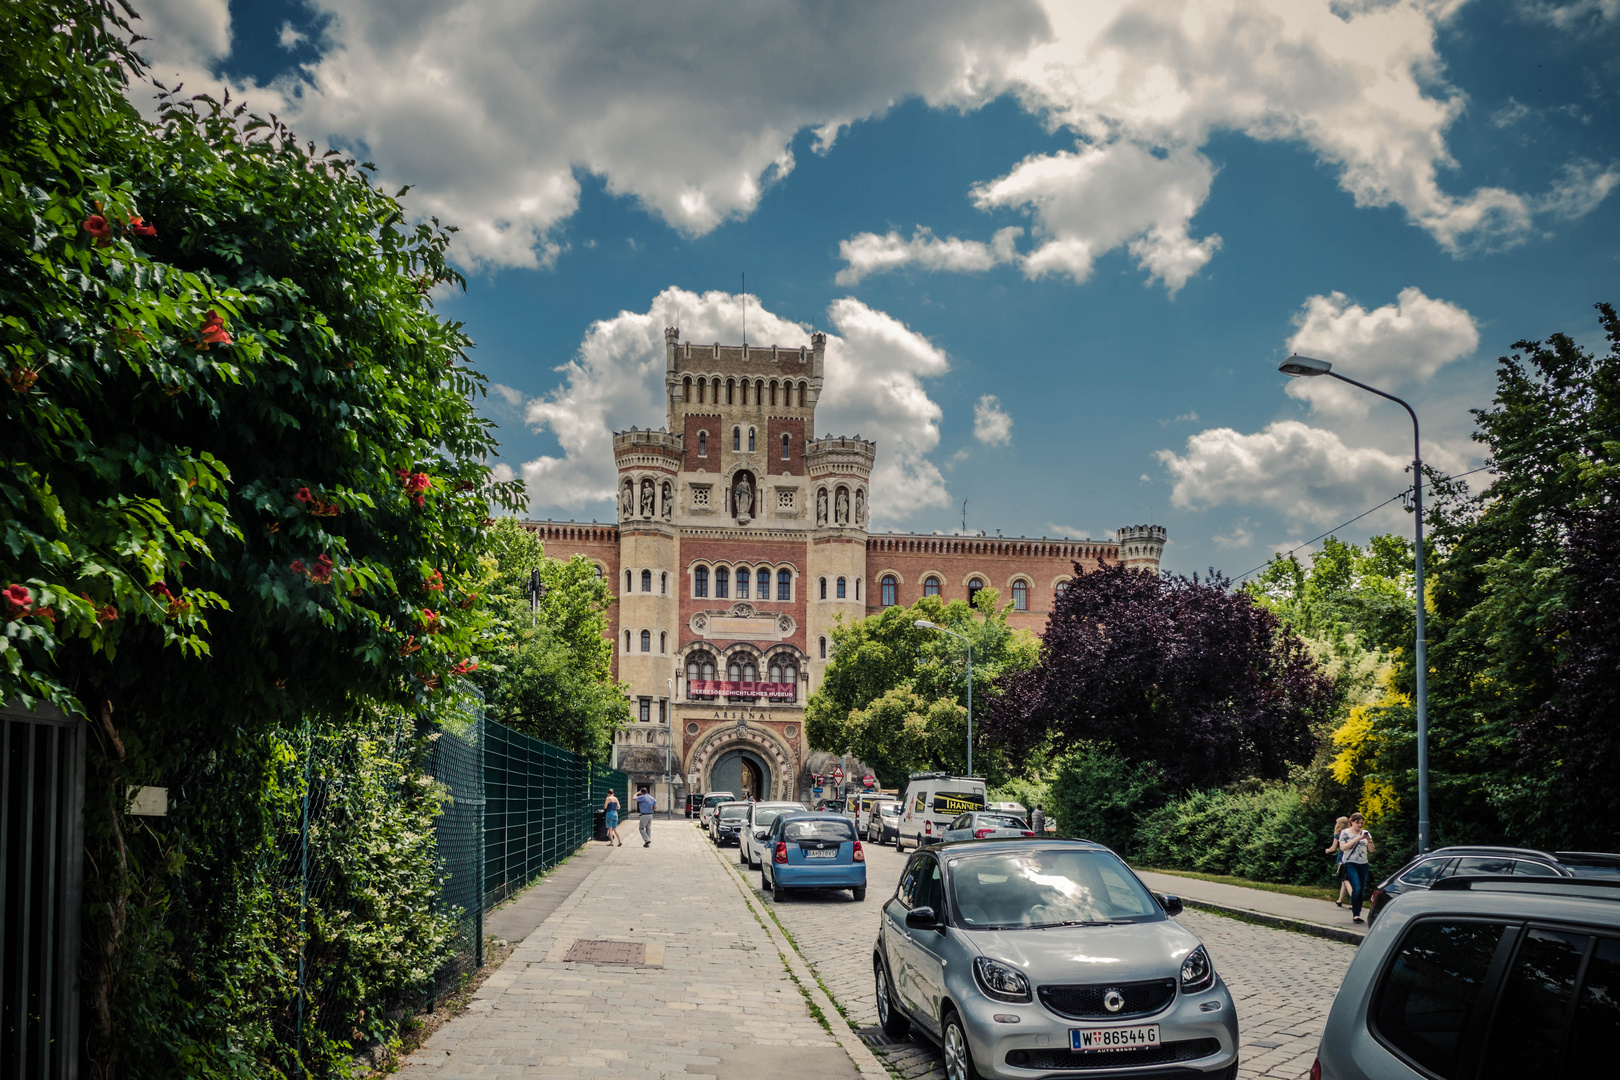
(737, 442)
(840, 589)
(743, 666)
(889, 590)
(746, 583)
(646, 641)
(737, 391)
(647, 582)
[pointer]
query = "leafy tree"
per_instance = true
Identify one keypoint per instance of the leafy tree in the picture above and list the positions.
(244, 487)
(895, 695)
(547, 671)
(1184, 673)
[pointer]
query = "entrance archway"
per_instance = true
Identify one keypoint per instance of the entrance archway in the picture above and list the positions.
(741, 772)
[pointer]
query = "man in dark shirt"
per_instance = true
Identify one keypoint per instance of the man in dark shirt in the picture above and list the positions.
(645, 805)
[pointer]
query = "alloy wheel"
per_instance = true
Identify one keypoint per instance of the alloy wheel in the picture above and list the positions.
(958, 1063)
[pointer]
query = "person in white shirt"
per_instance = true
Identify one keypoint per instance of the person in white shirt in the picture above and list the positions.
(1355, 844)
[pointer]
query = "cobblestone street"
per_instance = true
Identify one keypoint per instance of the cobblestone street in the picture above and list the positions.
(1281, 982)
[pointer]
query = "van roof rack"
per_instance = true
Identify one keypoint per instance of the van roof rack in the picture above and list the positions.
(942, 776)
(1607, 888)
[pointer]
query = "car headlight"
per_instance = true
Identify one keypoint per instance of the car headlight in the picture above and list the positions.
(1197, 973)
(1000, 980)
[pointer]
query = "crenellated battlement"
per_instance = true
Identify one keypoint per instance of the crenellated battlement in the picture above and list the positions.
(840, 455)
(1142, 546)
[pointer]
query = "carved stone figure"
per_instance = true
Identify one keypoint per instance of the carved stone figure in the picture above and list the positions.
(860, 507)
(841, 508)
(627, 505)
(821, 507)
(669, 503)
(745, 498)
(647, 499)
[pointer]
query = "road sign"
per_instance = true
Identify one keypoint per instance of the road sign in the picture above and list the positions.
(838, 775)
(816, 791)
(869, 780)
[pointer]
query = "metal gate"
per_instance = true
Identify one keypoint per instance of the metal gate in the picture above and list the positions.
(41, 881)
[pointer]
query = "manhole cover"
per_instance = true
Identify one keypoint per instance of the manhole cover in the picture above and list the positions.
(606, 952)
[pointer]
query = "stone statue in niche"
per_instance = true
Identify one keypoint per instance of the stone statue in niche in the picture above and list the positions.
(821, 507)
(841, 508)
(860, 507)
(745, 498)
(647, 499)
(627, 505)
(669, 503)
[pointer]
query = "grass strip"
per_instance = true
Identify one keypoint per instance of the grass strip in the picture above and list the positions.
(1310, 892)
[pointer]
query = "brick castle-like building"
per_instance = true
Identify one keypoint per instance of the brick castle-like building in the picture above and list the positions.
(741, 539)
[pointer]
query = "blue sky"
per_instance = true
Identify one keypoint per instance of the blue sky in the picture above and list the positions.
(1060, 249)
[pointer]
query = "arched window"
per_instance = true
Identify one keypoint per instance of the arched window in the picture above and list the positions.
(646, 581)
(700, 581)
(840, 588)
(646, 641)
(741, 669)
(857, 588)
(750, 440)
(699, 666)
(784, 584)
(824, 588)
(663, 641)
(773, 391)
(784, 446)
(736, 439)
(627, 641)
(731, 390)
(974, 585)
(1020, 595)
(628, 587)
(742, 582)
(663, 583)
(745, 391)
(930, 586)
(703, 444)
(716, 388)
(686, 389)
(701, 386)
(1062, 587)
(759, 391)
(801, 395)
(784, 670)
(890, 590)
(823, 648)
(722, 582)
(599, 572)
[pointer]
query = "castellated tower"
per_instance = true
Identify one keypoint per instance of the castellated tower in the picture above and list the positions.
(840, 470)
(1141, 545)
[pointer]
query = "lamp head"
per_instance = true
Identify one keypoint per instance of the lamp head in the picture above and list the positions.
(1297, 365)
(924, 624)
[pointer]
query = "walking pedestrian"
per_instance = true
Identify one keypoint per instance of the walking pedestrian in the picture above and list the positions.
(645, 805)
(1355, 844)
(611, 806)
(1037, 822)
(1338, 860)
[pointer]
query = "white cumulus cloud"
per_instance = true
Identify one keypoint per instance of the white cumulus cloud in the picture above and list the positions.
(868, 253)
(1399, 344)
(875, 367)
(1306, 473)
(992, 425)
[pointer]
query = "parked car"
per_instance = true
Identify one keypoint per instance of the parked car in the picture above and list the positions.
(725, 824)
(884, 825)
(1499, 976)
(1476, 861)
(868, 806)
(1028, 958)
(1016, 809)
(813, 851)
(982, 824)
(760, 817)
(859, 805)
(710, 801)
(932, 801)
(830, 806)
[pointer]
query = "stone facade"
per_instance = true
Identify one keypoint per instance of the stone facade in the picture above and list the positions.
(741, 539)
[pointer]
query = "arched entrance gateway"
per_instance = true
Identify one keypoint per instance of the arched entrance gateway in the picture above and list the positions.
(742, 772)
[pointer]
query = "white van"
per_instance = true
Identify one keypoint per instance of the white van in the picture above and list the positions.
(932, 801)
(859, 807)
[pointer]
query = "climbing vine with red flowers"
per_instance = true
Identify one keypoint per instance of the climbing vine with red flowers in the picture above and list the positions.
(235, 439)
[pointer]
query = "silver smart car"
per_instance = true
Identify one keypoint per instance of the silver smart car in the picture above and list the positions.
(1029, 958)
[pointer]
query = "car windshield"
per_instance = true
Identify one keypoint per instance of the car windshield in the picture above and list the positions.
(734, 811)
(1034, 889)
(998, 821)
(765, 815)
(716, 800)
(818, 829)
(889, 809)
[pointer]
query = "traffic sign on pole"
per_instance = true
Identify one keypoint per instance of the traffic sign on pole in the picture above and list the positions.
(869, 780)
(838, 775)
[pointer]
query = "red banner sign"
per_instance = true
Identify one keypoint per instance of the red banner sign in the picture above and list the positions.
(776, 691)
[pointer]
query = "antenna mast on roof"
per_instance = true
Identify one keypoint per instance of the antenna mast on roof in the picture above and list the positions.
(964, 517)
(745, 307)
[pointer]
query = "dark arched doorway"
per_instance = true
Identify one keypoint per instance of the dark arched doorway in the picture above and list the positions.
(741, 772)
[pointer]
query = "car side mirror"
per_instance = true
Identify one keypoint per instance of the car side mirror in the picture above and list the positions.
(760, 834)
(1171, 904)
(922, 918)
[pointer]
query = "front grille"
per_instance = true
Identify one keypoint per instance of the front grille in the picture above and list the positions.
(1164, 1054)
(1086, 1002)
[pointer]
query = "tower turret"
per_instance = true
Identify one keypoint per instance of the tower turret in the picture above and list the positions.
(1140, 546)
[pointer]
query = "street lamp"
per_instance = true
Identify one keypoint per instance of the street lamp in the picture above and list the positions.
(1308, 367)
(924, 624)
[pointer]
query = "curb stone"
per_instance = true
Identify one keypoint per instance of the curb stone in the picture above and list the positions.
(865, 1062)
(1281, 922)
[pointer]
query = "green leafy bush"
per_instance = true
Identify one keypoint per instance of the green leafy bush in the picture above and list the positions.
(1263, 832)
(1098, 795)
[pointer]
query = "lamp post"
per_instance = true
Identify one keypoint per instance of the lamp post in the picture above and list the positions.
(924, 624)
(669, 748)
(1308, 367)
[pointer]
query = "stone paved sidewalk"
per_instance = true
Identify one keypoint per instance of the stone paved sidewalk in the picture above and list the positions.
(714, 1001)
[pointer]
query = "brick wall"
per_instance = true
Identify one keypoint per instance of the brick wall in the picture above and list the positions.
(753, 553)
(709, 422)
(777, 426)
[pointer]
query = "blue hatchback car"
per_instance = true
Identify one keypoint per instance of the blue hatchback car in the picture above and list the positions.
(813, 851)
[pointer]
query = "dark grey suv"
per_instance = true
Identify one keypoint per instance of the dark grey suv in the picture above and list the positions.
(1487, 861)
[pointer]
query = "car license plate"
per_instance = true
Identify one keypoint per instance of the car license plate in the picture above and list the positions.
(822, 853)
(1118, 1038)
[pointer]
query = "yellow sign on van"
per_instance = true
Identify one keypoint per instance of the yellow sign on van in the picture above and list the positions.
(957, 802)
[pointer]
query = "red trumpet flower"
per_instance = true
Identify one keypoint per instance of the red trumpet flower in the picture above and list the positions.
(213, 331)
(141, 227)
(97, 226)
(18, 599)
